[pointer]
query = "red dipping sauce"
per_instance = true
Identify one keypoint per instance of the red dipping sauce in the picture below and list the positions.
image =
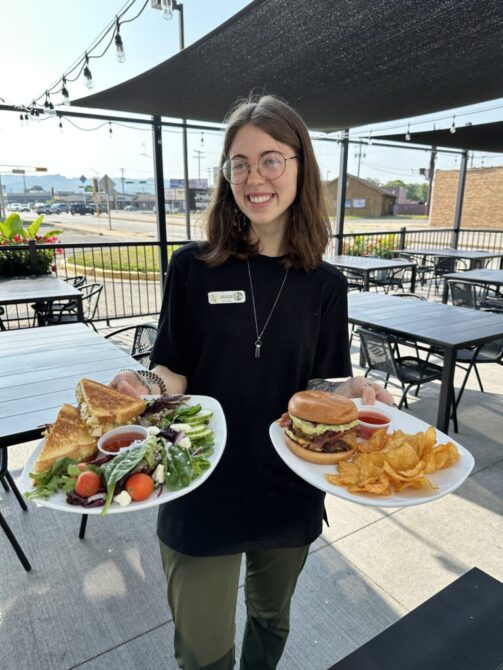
(120, 441)
(370, 420)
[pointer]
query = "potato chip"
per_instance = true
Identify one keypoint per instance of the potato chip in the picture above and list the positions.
(389, 462)
(403, 457)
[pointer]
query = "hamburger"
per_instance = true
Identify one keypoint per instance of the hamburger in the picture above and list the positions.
(321, 427)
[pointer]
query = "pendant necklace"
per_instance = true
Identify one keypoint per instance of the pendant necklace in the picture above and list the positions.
(258, 341)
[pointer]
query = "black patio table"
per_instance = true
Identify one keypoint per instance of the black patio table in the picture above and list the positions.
(15, 290)
(473, 256)
(366, 266)
(485, 276)
(434, 323)
(459, 628)
(39, 369)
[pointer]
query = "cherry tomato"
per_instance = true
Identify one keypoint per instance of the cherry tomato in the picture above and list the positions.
(140, 486)
(87, 484)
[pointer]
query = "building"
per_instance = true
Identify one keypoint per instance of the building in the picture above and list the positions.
(482, 202)
(363, 198)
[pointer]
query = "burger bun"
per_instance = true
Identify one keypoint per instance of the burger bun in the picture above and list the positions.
(323, 407)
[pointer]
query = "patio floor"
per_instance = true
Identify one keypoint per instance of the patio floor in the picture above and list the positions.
(100, 603)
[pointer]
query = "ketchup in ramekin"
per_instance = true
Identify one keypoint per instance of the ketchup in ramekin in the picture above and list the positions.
(371, 419)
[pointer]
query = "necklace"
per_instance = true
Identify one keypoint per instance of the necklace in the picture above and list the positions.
(258, 341)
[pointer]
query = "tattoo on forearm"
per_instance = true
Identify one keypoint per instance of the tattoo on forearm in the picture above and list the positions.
(323, 385)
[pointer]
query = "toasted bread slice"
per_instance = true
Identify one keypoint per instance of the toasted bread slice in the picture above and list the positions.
(102, 408)
(67, 437)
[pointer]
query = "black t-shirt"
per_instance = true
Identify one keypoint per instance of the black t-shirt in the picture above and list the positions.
(252, 500)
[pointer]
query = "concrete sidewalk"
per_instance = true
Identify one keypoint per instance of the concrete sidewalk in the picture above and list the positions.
(99, 604)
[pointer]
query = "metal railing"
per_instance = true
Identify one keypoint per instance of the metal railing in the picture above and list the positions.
(129, 271)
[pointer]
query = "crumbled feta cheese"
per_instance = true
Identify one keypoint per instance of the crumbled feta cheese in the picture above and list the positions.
(123, 498)
(184, 442)
(180, 427)
(153, 430)
(158, 475)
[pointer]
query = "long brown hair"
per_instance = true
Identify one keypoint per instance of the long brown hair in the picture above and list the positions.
(308, 230)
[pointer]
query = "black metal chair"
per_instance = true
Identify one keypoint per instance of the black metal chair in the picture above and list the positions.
(2, 325)
(443, 265)
(492, 352)
(424, 268)
(68, 312)
(48, 306)
(474, 296)
(137, 340)
(390, 280)
(381, 355)
(354, 278)
(8, 484)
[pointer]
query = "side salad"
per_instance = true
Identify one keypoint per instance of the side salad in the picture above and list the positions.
(175, 453)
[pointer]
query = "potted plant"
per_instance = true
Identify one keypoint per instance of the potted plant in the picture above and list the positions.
(27, 260)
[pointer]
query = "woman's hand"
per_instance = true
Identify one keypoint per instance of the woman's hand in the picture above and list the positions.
(129, 383)
(367, 390)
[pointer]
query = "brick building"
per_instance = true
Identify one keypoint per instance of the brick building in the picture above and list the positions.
(362, 198)
(482, 203)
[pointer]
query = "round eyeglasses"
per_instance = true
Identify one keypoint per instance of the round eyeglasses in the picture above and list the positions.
(271, 166)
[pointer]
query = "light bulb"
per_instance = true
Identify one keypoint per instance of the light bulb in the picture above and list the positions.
(64, 93)
(407, 134)
(119, 48)
(452, 129)
(88, 78)
(60, 126)
(167, 10)
(110, 131)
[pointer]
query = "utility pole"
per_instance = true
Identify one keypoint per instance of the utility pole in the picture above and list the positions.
(122, 179)
(359, 154)
(431, 172)
(198, 155)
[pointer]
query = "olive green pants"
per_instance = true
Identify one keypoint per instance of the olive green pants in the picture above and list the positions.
(202, 595)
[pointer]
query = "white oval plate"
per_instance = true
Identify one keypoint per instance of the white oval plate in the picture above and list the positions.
(447, 480)
(58, 500)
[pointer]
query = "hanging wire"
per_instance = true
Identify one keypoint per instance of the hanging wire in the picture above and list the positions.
(81, 62)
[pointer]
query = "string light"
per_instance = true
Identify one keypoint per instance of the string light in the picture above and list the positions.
(453, 126)
(119, 45)
(407, 134)
(88, 77)
(60, 125)
(64, 93)
(110, 131)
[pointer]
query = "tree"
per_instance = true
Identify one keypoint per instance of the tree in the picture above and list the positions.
(374, 180)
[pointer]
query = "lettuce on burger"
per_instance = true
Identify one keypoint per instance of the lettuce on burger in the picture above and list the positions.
(321, 427)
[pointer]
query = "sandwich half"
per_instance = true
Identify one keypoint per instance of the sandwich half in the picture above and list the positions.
(103, 408)
(66, 437)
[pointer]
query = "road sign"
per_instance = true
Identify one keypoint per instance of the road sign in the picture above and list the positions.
(82, 178)
(106, 184)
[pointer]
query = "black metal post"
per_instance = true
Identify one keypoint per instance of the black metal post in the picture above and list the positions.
(459, 200)
(431, 172)
(341, 191)
(179, 6)
(159, 197)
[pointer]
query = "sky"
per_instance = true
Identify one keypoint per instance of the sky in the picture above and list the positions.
(46, 38)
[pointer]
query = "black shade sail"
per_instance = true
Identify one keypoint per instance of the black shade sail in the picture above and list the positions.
(482, 137)
(340, 63)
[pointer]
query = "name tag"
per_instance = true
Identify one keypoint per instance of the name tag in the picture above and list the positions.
(226, 297)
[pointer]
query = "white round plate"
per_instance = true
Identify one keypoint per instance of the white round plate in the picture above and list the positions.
(58, 500)
(446, 480)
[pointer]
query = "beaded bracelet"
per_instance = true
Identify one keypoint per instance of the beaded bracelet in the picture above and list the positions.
(148, 379)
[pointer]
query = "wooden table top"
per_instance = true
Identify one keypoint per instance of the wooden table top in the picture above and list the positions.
(39, 369)
(430, 322)
(30, 289)
(483, 276)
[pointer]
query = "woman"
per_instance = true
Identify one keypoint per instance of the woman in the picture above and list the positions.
(249, 318)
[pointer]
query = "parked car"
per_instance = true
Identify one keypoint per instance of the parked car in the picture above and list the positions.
(59, 208)
(80, 208)
(43, 209)
(130, 208)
